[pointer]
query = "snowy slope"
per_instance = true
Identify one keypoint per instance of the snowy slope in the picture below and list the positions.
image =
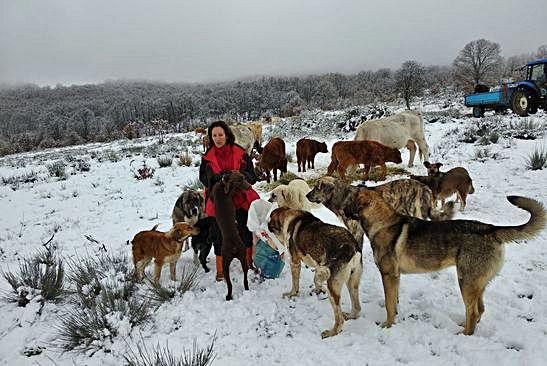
(108, 204)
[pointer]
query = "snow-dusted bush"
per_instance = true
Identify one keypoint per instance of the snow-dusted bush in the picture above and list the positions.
(82, 166)
(190, 277)
(164, 161)
(105, 300)
(83, 328)
(15, 181)
(185, 159)
(537, 159)
(525, 129)
(57, 169)
(163, 356)
(144, 172)
(40, 276)
(193, 184)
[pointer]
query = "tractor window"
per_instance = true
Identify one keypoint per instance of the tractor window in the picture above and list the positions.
(537, 73)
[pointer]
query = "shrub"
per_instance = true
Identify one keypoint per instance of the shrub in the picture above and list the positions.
(190, 277)
(89, 328)
(185, 159)
(144, 172)
(164, 161)
(16, 180)
(106, 303)
(537, 160)
(82, 166)
(40, 275)
(194, 184)
(163, 356)
(57, 169)
(525, 129)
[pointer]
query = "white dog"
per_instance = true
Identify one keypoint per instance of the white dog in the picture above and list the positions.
(293, 195)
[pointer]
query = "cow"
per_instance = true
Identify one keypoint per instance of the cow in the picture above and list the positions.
(370, 153)
(397, 131)
(306, 149)
(273, 157)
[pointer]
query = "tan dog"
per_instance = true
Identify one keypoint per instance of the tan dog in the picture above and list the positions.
(330, 249)
(445, 184)
(403, 244)
(164, 247)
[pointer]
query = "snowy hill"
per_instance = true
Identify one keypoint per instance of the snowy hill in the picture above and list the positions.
(102, 200)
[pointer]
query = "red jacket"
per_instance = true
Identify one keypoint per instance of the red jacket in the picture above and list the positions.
(242, 162)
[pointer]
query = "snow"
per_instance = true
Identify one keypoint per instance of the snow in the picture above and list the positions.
(108, 204)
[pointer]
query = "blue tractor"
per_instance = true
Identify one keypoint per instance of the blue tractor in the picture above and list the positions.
(522, 97)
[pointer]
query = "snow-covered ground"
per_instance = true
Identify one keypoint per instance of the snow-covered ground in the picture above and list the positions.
(258, 326)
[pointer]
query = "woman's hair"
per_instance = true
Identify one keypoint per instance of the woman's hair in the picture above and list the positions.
(230, 138)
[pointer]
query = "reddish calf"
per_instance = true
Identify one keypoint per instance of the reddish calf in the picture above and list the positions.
(306, 149)
(370, 153)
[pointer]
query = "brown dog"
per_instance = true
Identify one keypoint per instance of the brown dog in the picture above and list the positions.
(164, 247)
(330, 249)
(444, 184)
(403, 244)
(353, 153)
(232, 245)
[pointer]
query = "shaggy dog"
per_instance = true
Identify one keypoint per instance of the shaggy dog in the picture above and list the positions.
(403, 244)
(189, 207)
(163, 247)
(406, 196)
(292, 195)
(330, 249)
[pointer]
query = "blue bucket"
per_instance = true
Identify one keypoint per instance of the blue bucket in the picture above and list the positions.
(267, 260)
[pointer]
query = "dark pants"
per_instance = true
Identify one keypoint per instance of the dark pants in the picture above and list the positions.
(244, 233)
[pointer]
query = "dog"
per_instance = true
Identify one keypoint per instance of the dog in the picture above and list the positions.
(163, 247)
(444, 184)
(232, 244)
(202, 242)
(189, 208)
(292, 195)
(330, 249)
(403, 244)
(406, 196)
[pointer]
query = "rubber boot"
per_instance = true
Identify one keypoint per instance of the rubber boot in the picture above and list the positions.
(219, 276)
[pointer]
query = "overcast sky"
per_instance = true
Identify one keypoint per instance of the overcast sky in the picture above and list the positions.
(82, 41)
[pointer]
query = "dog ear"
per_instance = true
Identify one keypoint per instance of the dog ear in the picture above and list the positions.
(426, 164)
(438, 165)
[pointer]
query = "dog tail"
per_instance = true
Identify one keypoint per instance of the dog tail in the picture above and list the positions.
(535, 224)
(471, 188)
(446, 213)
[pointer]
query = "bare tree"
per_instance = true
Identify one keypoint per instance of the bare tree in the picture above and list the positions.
(478, 62)
(410, 80)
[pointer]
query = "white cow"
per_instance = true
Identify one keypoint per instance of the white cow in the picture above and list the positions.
(397, 131)
(244, 137)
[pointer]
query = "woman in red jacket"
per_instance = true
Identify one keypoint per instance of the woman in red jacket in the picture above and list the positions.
(223, 156)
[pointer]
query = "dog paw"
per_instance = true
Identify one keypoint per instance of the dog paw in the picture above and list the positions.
(318, 291)
(386, 324)
(290, 294)
(348, 316)
(328, 333)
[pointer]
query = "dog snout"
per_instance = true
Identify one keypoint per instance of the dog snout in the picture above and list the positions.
(272, 198)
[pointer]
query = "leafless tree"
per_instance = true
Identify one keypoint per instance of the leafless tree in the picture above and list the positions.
(478, 62)
(410, 80)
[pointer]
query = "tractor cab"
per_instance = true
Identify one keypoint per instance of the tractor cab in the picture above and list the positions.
(536, 72)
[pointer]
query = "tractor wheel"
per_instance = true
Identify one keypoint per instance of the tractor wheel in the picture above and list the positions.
(521, 102)
(478, 112)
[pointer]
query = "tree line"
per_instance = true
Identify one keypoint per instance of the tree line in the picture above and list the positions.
(33, 117)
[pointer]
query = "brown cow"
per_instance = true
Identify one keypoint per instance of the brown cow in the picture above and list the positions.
(306, 149)
(273, 157)
(370, 153)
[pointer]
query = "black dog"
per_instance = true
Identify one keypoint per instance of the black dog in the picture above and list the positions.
(201, 243)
